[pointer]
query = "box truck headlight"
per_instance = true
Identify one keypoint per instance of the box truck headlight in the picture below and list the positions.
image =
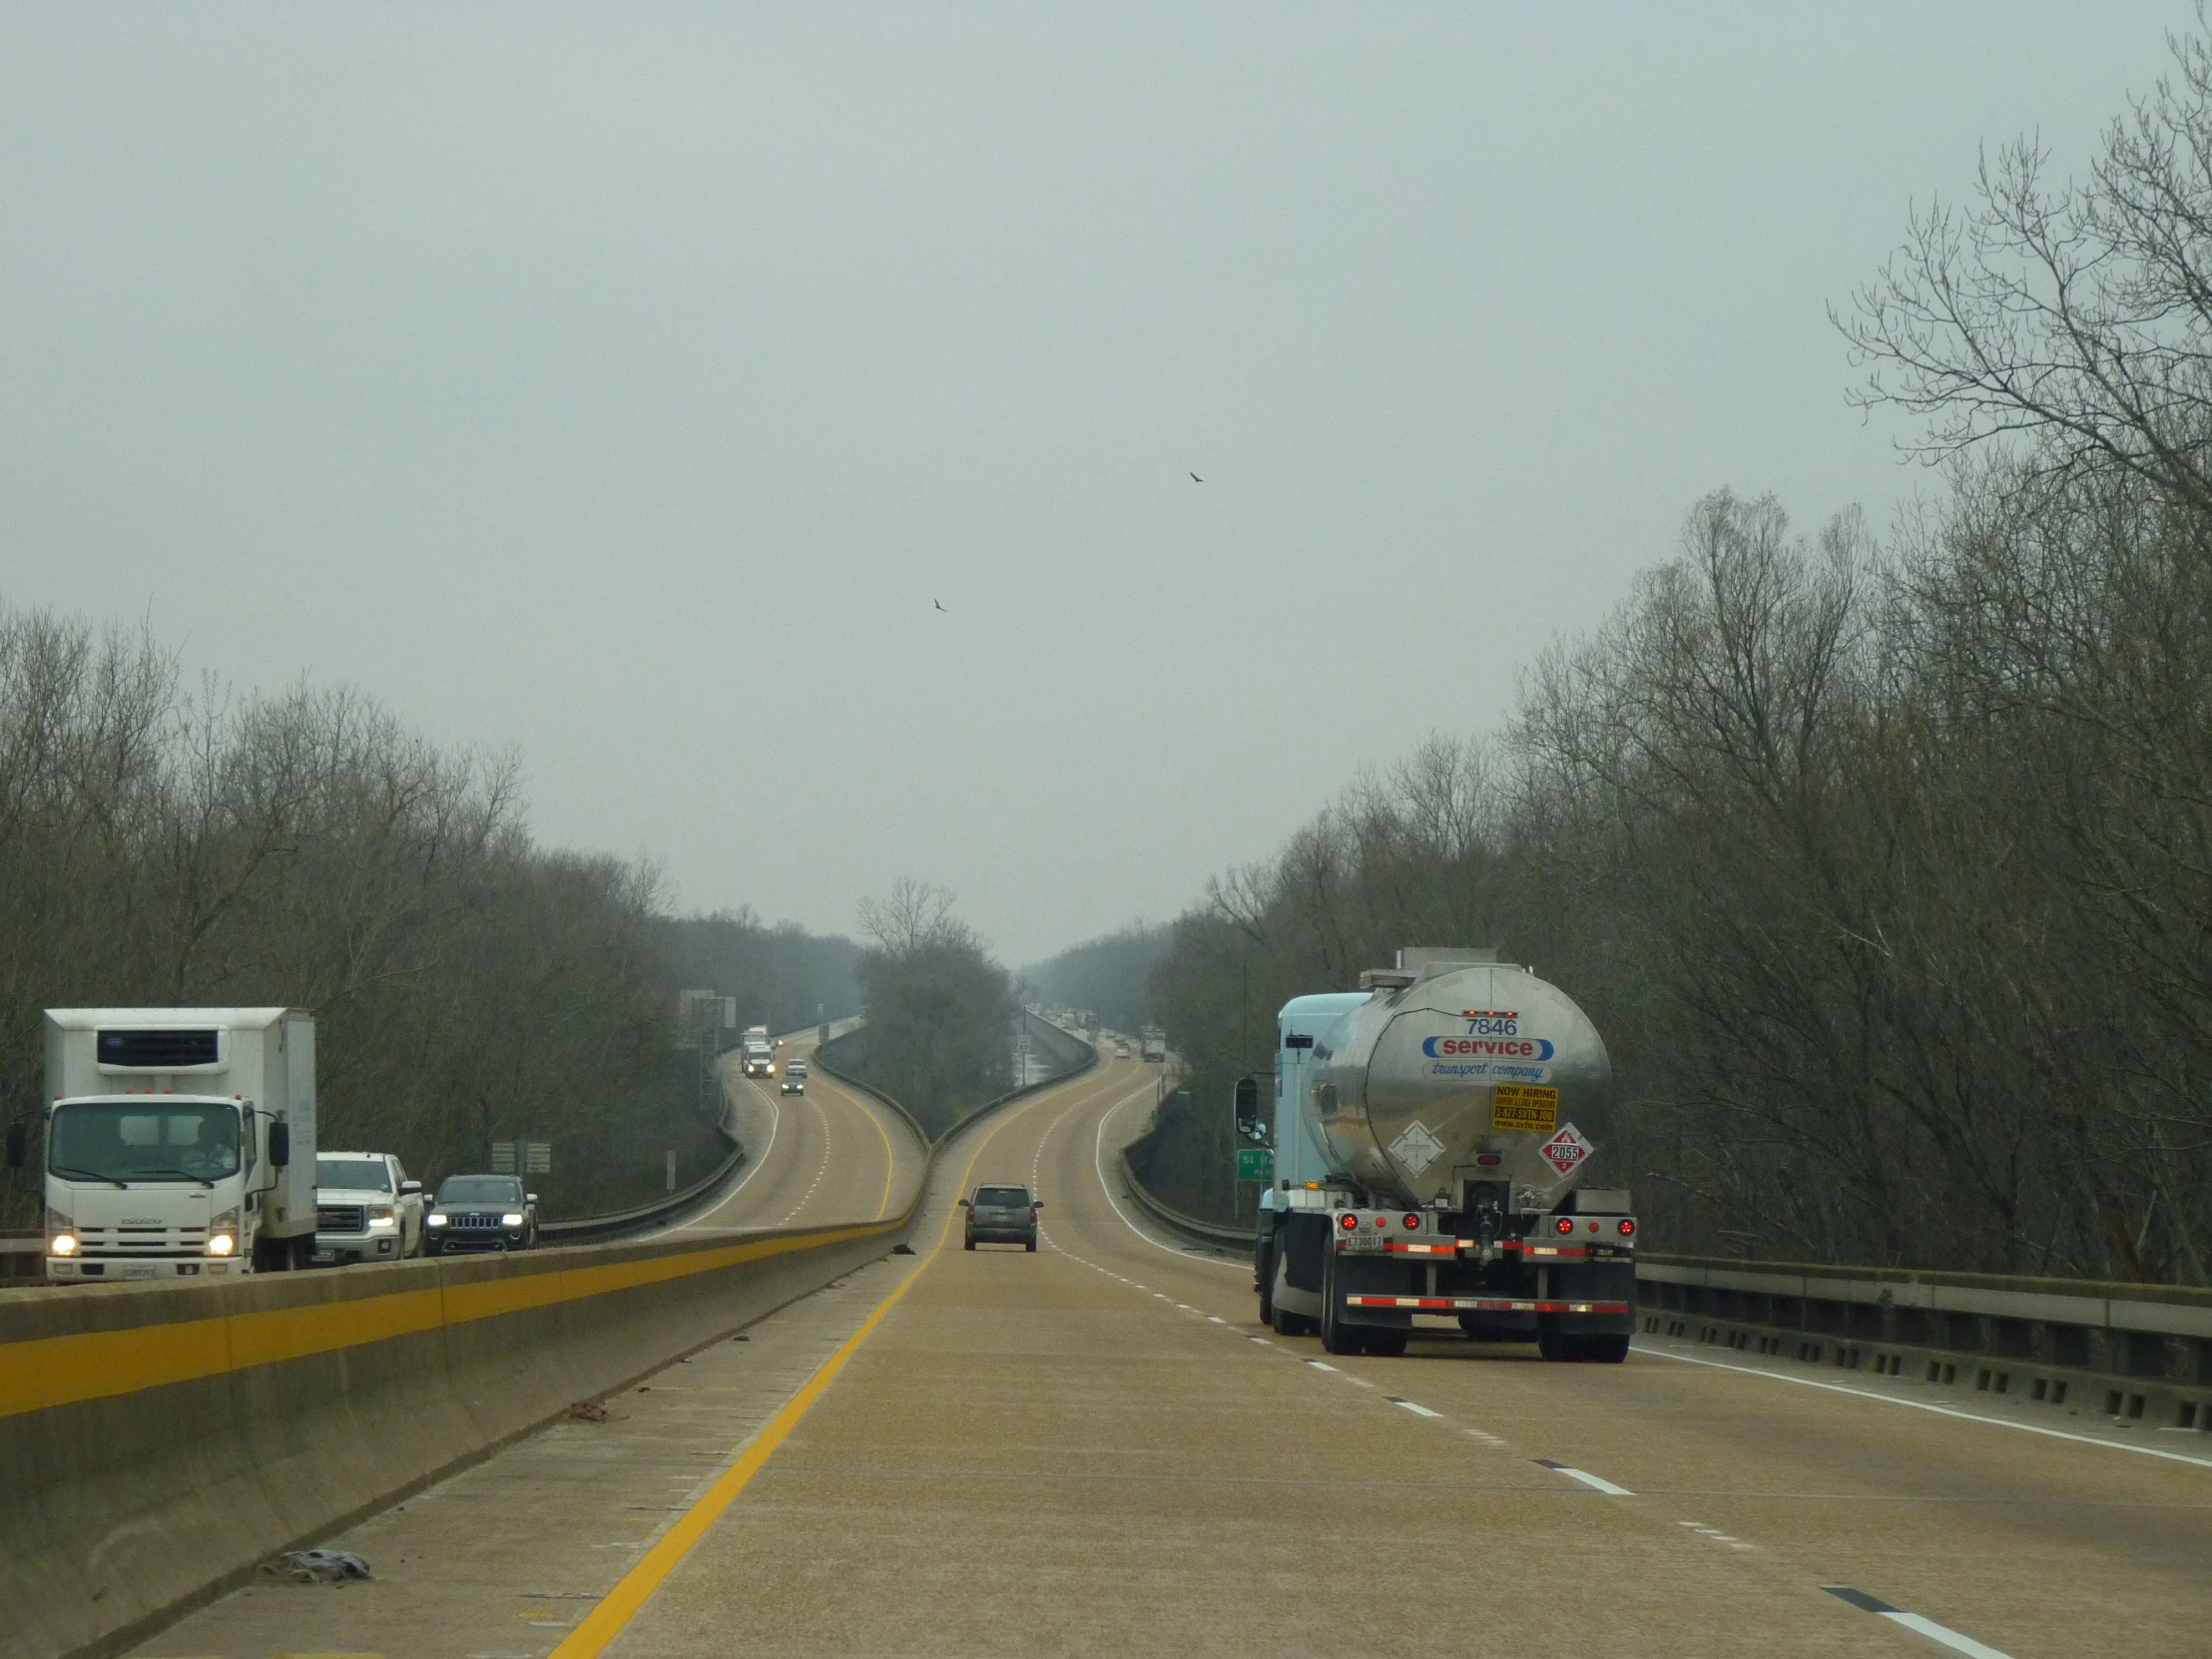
(62, 1244)
(61, 1233)
(513, 1217)
(222, 1244)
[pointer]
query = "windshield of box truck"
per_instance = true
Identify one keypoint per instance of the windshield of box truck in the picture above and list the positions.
(141, 1141)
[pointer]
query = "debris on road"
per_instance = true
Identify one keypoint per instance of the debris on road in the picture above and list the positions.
(316, 1566)
(588, 1411)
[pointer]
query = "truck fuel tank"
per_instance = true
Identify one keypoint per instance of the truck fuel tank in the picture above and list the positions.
(1458, 1072)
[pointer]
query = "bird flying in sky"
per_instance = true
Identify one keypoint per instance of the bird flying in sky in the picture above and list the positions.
(941, 607)
(1196, 480)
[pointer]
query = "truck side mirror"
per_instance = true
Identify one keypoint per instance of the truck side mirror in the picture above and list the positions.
(280, 1144)
(19, 1146)
(529, 1198)
(408, 1188)
(1248, 1107)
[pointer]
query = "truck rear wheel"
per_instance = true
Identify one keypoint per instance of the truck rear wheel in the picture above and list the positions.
(1336, 1336)
(1599, 1349)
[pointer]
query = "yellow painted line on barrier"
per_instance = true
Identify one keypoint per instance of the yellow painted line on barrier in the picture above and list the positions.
(620, 1605)
(46, 1371)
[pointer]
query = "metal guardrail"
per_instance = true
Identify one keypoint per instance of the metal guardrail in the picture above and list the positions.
(589, 1228)
(1161, 1211)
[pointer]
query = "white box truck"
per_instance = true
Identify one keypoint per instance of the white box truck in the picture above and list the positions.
(180, 1142)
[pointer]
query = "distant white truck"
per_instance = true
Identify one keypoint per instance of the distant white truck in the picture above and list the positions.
(366, 1208)
(180, 1142)
(1155, 1043)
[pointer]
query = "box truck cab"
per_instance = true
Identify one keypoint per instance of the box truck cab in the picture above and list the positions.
(180, 1142)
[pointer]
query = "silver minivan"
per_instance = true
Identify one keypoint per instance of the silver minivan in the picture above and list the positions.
(1001, 1214)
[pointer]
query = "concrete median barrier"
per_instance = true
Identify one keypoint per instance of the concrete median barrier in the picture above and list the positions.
(157, 1441)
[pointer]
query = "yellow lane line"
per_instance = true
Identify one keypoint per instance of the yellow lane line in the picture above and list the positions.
(620, 1605)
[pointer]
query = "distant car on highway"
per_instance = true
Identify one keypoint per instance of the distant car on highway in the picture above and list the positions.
(795, 1077)
(1003, 1215)
(1121, 1051)
(480, 1212)
(366, 1208)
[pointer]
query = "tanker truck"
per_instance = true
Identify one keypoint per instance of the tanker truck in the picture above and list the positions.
(1430, 1134)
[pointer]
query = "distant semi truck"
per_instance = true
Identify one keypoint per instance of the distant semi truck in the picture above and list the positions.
(180, 1142)
(1155, 1043)
(760, 1053)
(1428, 1162)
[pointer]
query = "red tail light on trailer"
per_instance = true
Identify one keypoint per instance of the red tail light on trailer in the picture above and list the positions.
(1566, 1226)
(1412, 1220)
(1629, 1228)
(1347, 1220)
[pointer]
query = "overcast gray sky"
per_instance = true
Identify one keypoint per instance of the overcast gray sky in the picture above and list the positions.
(623, 385)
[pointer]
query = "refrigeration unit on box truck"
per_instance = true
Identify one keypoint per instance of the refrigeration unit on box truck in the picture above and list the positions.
(1430, 1135)
(180, 1142)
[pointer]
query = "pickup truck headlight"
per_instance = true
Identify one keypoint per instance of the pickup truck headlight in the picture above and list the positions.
(435, 1219)
(380, 1217)
(513, 1217)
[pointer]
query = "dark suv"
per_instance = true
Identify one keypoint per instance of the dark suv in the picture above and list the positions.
(1003, 1215)
(480, 1212)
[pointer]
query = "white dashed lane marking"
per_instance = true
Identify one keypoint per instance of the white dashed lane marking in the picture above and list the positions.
(1596, 1482)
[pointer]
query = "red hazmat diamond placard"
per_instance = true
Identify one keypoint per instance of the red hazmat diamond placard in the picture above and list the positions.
(1567, 1150)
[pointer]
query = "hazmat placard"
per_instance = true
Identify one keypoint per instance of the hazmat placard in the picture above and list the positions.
(1524, 1106)
(1567, 1150)
(1417, 1148)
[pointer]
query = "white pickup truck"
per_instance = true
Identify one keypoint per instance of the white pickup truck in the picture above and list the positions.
(366, 1208)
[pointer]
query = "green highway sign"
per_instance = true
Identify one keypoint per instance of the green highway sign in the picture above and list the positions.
(1255, 1163)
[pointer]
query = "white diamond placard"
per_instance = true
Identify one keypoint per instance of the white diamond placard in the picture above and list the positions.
(1416, 1148)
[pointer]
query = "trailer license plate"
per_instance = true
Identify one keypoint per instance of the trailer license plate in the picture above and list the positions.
(1362, 1241)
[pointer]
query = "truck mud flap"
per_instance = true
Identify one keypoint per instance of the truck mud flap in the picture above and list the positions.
(1305, 1241)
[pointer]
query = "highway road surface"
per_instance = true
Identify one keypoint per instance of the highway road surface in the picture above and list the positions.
(1096, 1450)
(831, 1154)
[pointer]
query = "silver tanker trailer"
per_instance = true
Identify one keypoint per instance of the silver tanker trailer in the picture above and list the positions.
(1430, 1136)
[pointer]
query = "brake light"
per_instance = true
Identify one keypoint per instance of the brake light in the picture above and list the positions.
(1629, 1228)
(1489, 1160)
(1412, 1220)
(1593, 1226)
(1347, 1220)
(1566, 1226)
(1381, 1221)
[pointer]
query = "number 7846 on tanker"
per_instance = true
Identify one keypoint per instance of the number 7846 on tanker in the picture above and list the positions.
(1429, 1137)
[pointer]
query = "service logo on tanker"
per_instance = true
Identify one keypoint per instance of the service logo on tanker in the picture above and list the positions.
(1537, 1049)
